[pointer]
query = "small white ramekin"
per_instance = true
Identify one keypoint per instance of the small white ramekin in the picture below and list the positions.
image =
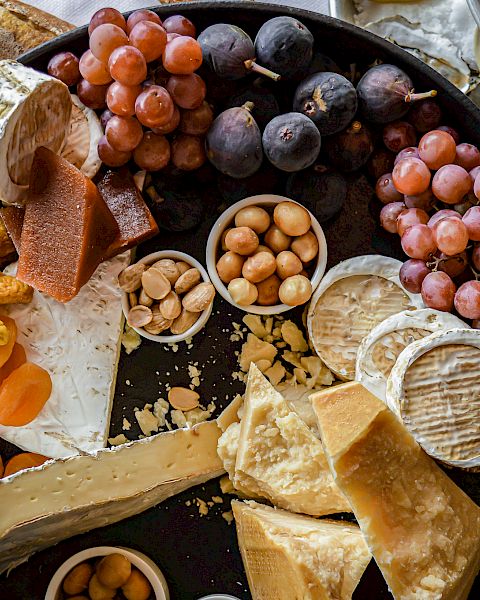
(223, 222)
(138, 560)
(201, 321)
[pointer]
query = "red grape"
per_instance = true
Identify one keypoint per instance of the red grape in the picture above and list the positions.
(105, 38)
(94, 70)
(389, 215)
(110, 156)
(150, 38)
(411, 176)
(385, 190)
(441, 214)
(471, 220)
(121, 98)
(171, 125)
(424, 201)
(188, 152)
(450, 235)
(412, 274)
(474, 173)
(64, 66)
(453, 266)
(197, 121)
(410, 152)
(425, 115)
(410, 217)
(187, 91)
(453, 132)
(476, 258)
(182, 56)
(451, 183)
(105, 117)
(418, 242)
(154, 107)
(142, 15)
(107, 15)
(180, 25)
(123, 133)
(438, 291)
(437, 148)
(153, 152)
(467, 156)
(476, 324)
(476, 187)
(172, 36)
(467, 300)
(399, 135)
(92, 96)
(127, 65)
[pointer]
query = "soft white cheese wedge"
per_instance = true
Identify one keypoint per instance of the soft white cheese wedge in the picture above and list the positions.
(352, 298)
(434, 388)
(380, 349)
(78, 343)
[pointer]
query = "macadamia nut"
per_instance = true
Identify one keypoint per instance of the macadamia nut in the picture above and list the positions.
(305, 246)
(259, 266)
(288, 264)
(268, 291)
(295, 290)
(254, 217)
(243, 292)
(229, 266)
(277, 240)
(242, 240)
(292, 218)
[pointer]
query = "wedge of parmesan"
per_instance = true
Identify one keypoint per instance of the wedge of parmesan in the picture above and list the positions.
(294, 557)
(281, 455)
(63, 498)
(422, 530)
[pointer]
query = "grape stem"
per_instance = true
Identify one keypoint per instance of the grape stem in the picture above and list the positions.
(251, 65)
(411, 97)
(434, 262)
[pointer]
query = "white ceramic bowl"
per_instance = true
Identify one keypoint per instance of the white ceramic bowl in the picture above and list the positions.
(226, 219)
(201, 321)
(138, 560)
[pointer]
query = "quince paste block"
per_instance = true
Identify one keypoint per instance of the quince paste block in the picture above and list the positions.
(12, 217)
(422, 530)
(66, 230)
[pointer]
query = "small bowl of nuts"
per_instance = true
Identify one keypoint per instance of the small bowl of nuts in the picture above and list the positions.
(168, 296)
(266, 254)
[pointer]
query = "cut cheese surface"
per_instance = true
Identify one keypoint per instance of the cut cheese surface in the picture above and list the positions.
(282, 455)
(294, 557)
(422, 530)
(67, 497)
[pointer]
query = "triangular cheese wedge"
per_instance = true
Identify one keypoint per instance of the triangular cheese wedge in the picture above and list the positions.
(294, 557)
(423, 531)
(281, 455)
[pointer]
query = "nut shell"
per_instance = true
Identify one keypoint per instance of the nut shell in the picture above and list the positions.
(199, 298)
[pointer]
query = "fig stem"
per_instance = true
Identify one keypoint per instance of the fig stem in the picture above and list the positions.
(411, 97)
(251, 65)
(248, 106)
(355, 127)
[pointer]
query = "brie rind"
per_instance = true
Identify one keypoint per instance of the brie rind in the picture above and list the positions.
(294, 557)
(434, 388)
(78, 343)
(62, 498)
(34, 111)
(380, 349)
(352, 298)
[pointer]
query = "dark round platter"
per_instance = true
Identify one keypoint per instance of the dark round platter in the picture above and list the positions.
(199, 555)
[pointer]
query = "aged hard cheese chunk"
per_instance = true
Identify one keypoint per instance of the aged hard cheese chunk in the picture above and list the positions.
(68, 497)
(66, 230)
(422, 530)
(294, 557)
(282, 455)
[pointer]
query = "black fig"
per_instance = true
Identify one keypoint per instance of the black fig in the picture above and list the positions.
(265, 104)
(351, 148)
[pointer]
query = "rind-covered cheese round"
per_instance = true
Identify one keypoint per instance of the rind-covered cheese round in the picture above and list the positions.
(434, 388)
(352, 298)
(380, 349)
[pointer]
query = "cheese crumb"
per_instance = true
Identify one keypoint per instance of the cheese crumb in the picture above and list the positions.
(228, 516)
(131, 340)
(217, 499)
(160, 410)
(147, 420)
(178, 418)
(293, 336)
(126, 424)
(118, 440)
(255, 350)
(202, 507)
(254, 323)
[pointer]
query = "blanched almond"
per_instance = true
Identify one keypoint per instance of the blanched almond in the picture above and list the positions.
(132, 299)
(155, 284)
(183, 398)
(144, 298)
(130, 279)
(170, 306)
(168, 267)
(199, 298)
(158, 323)
(188, 280)
(139, 316)
(182, 323)
(182, 267)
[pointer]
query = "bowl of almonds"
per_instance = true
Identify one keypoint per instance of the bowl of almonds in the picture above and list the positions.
(168, 296)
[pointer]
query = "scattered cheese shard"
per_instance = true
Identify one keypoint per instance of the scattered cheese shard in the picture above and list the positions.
(254, 350)
(63, 498)
(294, 557)
(281, 454)
(423, 531)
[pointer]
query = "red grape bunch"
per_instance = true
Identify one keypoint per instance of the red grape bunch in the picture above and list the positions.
(432, 201)
(142, 72)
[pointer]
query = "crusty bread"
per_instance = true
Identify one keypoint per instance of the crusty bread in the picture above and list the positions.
(23, 27)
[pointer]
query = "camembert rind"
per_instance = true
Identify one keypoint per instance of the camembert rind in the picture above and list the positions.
(295, 557)
(338, 349)
(422, 530)
(446, 426)
(65, 497)
(414, 325)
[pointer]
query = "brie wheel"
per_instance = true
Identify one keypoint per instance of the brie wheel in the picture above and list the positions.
(353, 298)
(380, 349)
(434, 388)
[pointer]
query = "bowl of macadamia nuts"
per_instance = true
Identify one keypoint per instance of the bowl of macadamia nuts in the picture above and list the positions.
(266, 254)
(167, 296)
(107, 572)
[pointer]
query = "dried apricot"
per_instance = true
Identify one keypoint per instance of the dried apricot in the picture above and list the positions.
(25, 460)
(17, 359)
(7, 348)
(23, 394)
